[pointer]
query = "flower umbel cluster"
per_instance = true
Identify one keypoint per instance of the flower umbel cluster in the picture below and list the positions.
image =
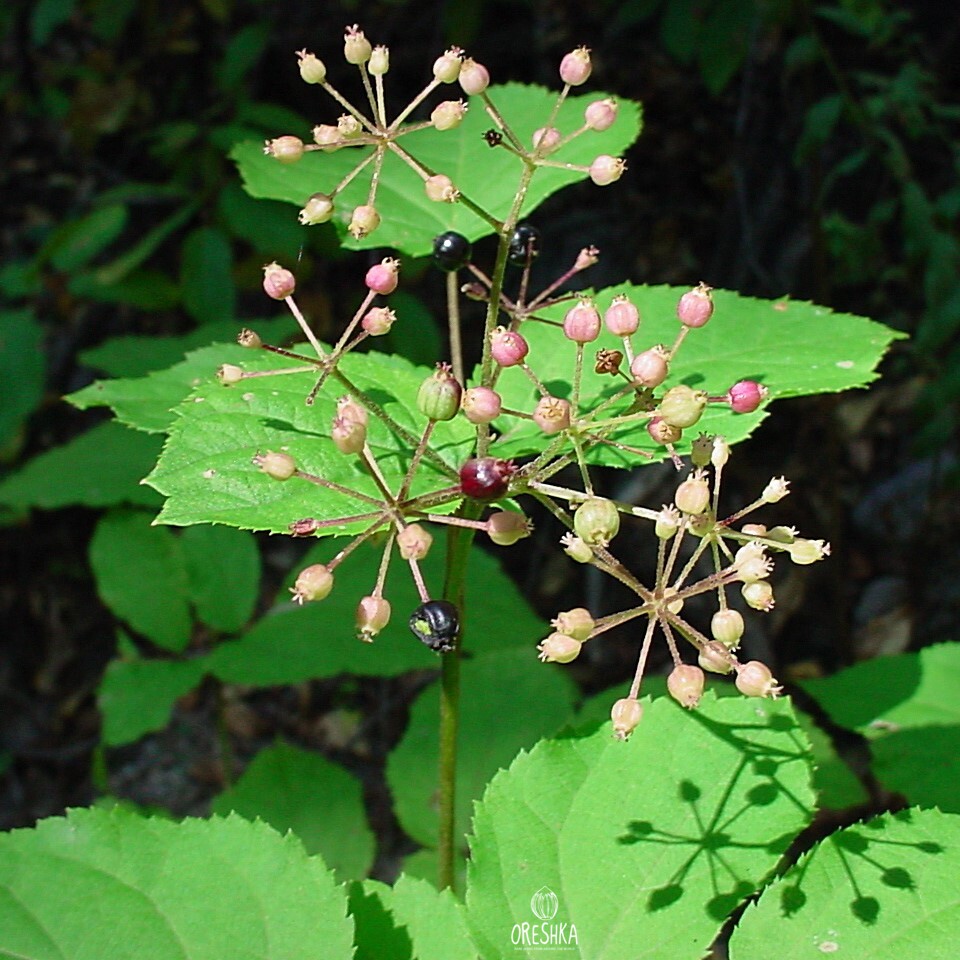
(636, 413)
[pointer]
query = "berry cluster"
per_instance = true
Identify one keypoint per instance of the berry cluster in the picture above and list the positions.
(481, 493)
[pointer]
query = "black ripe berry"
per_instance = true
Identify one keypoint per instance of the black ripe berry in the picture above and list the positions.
(524, 243)
(437, 624)
(450, 251)
(486, 478)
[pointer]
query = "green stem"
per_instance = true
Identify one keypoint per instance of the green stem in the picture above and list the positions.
(458, 551)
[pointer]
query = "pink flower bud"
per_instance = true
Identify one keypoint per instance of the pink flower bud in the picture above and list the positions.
(313, 583)
(481, 404)
(622, 317)
(581, 324)
(650, 368)
(356, 47)
(378, 320)
(507, 347)
(448, 114)
(746, 395)
(559, 648)
(319, 209)
(552, 414)
(606, 170)
(440, 189)
(575, 67)
(312, 70)
(600, 115)
(474, 77)
(382, 277)
(696, 306)
(278, 282)
(685, 684)
(284, 149)
(446, 68)
(414, 542)
(364, 221)
(373, 614)
(546, 140)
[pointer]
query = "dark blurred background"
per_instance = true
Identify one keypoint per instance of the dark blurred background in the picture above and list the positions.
(789, 149)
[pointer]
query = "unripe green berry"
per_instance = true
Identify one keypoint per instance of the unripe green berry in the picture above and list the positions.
(693, 495)
(440, 394)
(576, 623)
(318, 209)
(414, 542)
(682, 406)
(808, 551)
(726, 626)
(285, 149)
(667, 522)
(506, 527)
(759, 595)
(356, 47)
(229, 373)
(312, 69)
(597, 521)
(379, 61)
(754, 679)
(279, 466)
(559, 648)
(373, 614)
(446, 68)
(575, 548)
(313, 583)
(364, 221)
(716, 658)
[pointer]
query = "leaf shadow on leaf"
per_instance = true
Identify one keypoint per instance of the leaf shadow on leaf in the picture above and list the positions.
(717, 828)
(376, 933)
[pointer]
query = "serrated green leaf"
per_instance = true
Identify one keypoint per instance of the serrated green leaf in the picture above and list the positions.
(646, 845)
(207, 475)
(836, 786)
(223, 569)
(22, 370)
(76, 243)
(293, 789)
(100, 468)
(292, 644)
(136, 696)
(880, 890)
(494, 724)
(792, 348)
(141, 577)
(489, 177)
(111, 884)
(906, 705)
(410, 920)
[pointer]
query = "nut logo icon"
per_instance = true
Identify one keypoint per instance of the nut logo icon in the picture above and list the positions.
(544, 904)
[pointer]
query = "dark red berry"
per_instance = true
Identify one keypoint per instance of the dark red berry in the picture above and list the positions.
(486, 478)
(451, 251)
(524, 244)
(437, 624)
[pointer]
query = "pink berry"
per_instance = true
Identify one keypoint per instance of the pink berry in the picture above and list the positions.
(622, 317)
(600, 115)
(378, 320)
(382, 277)
(663, 432)
(278, 282)
(650, 368)
(474, 77)
(606, 170)
(581, 324)
(481, 404)
(546, 140)
(552, 414)
(486, 478)
(575, 67)
(685, 684)
(746, 395)
(696, 306)
(508, 347)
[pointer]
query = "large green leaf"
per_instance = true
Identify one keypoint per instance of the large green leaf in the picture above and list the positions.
(880, 890)
(293, 789)
(99, 468)
(111, 884)
(488, 176)
(495, 722)
(22, 370)
(646, 846)
(207, 475)
(907, 706)
(792, 348)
